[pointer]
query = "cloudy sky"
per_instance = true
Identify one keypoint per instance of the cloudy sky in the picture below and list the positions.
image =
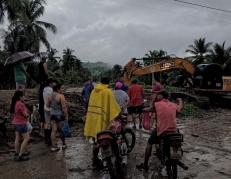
(113, 31)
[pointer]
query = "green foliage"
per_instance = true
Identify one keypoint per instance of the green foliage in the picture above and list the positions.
(190, 109)
(200, 50)
(26, 31)
(219, 54)
(154, 56)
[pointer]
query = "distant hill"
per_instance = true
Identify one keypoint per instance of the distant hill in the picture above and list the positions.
(96, 68)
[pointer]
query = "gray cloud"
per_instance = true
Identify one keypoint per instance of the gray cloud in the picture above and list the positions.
(115, 30)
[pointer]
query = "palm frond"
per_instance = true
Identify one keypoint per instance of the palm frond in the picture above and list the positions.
(39, 12)
(47, 25)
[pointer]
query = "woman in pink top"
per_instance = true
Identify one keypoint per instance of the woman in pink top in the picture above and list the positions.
(20, 120)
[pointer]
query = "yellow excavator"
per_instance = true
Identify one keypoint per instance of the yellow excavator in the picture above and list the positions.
(207, 80)
(205, 77)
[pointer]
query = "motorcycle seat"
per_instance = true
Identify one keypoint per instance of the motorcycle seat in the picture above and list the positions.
(105, 132)
(173, 137)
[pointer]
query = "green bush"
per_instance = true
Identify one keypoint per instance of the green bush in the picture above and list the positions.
(190, 110)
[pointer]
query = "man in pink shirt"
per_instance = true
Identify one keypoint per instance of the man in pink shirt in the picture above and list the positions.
(135, 93)
(165, 122)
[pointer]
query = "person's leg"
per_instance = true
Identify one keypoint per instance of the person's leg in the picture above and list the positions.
(17, 142)
(139, 111)
(148, 151)
(41, 110)
(95, 151)
(26, 138)
(53, 133)
(134, 120)
(47, 127)
(42, 121)
(62, 137)
(152, 140)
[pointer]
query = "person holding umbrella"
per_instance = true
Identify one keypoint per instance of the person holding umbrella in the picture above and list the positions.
(20, 74)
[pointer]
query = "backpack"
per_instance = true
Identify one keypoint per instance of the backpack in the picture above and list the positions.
(147, 120)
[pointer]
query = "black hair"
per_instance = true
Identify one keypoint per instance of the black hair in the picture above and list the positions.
(49, 81)
(105, 80)
(164, 93)
(15, 98)
(43, 59)
(57, 87)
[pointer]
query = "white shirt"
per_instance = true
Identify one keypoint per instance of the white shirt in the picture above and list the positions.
(121, 98)
(47, 92)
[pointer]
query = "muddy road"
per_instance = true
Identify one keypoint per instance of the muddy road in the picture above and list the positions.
(207, 152)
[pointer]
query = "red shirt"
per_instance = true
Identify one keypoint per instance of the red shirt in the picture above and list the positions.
(166, 116)
(135, 93)
(19, 118)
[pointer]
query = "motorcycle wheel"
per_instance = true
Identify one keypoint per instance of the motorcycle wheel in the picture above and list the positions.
(171, 169)
(130, 139)
(111, 168)
(174, 170)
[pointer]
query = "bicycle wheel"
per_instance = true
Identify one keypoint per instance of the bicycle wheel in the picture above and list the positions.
(130, 139)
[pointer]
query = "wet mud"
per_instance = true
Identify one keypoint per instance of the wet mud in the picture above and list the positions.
(207, 153)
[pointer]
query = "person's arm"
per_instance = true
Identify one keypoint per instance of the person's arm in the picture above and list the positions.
(64, 106)
(126, 102)
(129, 91)
(45, 68)
(23, 110)
(179, 103)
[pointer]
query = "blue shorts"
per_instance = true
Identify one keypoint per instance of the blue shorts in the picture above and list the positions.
(21, 128)
(57, 118)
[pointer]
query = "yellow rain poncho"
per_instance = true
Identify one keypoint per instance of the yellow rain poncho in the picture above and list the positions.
(102, 109)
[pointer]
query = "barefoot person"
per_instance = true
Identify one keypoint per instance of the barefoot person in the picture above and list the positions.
(59, 114)
(20, 119)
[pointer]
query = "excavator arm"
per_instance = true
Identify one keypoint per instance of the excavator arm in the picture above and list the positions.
(131, 70)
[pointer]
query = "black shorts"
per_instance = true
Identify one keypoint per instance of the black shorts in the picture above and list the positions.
(153, 139)
(57, 118)
(135, 109)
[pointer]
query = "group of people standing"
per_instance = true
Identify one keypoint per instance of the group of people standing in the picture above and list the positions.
(52, 110)
(105, 105)
(102, 106)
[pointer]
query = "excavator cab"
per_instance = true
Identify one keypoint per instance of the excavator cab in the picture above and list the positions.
(208, 76)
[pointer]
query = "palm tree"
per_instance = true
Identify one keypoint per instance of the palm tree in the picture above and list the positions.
(15, 39)
(9, 7)
(53, 60)
(153, 56)
(70, 61)
(26, 29)
(199, 50)
(116, 71)
(35, 29)
(219, 54)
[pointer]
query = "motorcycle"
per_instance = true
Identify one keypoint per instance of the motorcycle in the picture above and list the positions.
(170, 153)
(114, 146)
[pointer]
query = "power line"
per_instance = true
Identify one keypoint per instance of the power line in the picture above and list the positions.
(200, 5)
